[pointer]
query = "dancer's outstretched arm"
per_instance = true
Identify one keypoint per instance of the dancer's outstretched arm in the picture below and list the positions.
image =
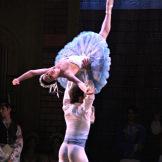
(29, 74)
(106, 25)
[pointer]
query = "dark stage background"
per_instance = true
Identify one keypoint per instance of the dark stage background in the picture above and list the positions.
(31, 34)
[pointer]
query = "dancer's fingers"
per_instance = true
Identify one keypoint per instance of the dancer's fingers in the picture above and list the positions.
(90, 91)
(85, 62)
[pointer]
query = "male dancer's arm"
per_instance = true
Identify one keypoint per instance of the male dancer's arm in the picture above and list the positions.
(66, 98)
(80, 84)
(89, 99)
(88, 102)
(106, 25)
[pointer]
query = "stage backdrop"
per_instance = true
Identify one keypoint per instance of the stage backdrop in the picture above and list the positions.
(122, 4)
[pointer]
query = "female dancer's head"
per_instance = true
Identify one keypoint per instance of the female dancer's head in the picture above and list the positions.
(48, 80)
(51, 75)
(76, 94)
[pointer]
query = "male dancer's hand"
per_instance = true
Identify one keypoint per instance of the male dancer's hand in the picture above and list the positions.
(90, 88)
(89, 91)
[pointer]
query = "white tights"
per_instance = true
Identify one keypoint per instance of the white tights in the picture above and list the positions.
(72, 153)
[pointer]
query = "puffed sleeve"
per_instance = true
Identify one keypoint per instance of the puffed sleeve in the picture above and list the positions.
(18, 145)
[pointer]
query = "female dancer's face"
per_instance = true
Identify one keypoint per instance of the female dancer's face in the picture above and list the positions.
(52, 74)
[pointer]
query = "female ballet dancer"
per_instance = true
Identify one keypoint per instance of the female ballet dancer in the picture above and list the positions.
(87, 48)
(79, 114)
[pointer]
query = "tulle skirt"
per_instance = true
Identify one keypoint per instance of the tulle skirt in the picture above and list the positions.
(95, 47)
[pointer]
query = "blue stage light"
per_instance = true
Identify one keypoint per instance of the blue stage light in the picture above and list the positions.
(121, 4)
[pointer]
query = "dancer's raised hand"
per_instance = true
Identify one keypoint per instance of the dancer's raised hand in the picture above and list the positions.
(85, 62)
(90, 88)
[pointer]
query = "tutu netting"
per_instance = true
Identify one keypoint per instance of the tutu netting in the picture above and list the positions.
(92, 45)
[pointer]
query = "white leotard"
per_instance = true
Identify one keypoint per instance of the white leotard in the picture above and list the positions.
(75, 59)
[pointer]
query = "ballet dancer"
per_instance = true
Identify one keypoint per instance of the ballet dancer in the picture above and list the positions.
(88, 49)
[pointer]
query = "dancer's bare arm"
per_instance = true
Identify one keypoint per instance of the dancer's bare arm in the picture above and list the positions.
(29, 74)
(80, 84)
(88, 100)
(66, 98)
(93, 115)
(106, 25)
(74, 79)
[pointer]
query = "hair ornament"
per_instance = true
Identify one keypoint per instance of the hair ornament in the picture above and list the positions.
(53, 87)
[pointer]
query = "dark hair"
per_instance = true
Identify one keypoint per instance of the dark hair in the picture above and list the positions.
(75, 93)
(5, 104)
